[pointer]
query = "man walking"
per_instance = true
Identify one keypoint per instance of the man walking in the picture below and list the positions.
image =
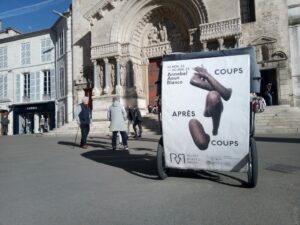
(117, 115)
(83, 116)
(129, 118)
(137, 121)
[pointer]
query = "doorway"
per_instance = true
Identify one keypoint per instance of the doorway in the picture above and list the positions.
(153, 73)
(88, 92)
(269, 76)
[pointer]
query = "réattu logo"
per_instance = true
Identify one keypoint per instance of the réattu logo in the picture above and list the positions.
(178, 158)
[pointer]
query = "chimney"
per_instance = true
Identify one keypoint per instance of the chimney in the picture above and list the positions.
(0, 25)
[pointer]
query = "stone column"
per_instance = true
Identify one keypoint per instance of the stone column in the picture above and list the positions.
(96, 89)
(118, 75)
(237, 41)
(221, 43)
(106, 75)
(204, 46)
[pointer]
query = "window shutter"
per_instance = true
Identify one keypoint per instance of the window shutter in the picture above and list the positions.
(38, 86)
(18, 88)
(32, 87)
(53, 83)
(1, 86)
(5, 86)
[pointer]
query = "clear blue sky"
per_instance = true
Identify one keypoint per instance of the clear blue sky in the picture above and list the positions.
(31, 15)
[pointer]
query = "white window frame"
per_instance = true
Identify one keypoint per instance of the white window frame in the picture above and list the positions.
(3, 57)
(61, 43)
(46, 84)
(26, 83)
(62, 82)
(25, 53)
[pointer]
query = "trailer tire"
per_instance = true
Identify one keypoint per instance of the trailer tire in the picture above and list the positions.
(160, 159)
(252, 164)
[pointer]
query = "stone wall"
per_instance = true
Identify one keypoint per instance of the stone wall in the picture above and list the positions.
(271, 22)
(294, 31)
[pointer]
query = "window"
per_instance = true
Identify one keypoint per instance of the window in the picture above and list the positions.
(247, 11)
(3, 86)
(3, 57)
(25, 53)
(46, 48)
(26, 93)
(62, 81)
(47, 84)
(61, 43)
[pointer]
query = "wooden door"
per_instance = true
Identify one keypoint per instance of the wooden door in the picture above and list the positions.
(153, 72)
(88, 93)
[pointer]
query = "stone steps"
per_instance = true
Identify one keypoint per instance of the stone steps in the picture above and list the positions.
(281, 119)
(150, 126)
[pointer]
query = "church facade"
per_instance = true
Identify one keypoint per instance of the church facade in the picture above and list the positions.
(118, 44)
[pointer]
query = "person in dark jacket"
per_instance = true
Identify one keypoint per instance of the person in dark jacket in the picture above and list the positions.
(83, 116)
(137, 121)
(129, 111)
(4, 124)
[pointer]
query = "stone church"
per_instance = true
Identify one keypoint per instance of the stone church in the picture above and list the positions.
(118, 44)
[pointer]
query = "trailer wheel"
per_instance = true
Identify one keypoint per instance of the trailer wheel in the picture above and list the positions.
(252, 164)
(160, 159)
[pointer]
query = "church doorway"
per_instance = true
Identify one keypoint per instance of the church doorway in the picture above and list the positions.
(153, 72)
(269, 76)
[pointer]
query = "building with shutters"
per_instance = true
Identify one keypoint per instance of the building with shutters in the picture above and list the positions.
(27, 78)
(36, 77)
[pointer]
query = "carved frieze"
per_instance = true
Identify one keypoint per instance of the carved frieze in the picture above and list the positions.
(98, 10)
(221, 29)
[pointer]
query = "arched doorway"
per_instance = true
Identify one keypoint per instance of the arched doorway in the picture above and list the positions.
(148, 29)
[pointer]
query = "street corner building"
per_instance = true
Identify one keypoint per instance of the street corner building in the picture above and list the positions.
(36, 78)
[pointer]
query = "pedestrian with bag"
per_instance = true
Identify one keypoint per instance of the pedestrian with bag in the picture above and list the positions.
(83, 116)
(116, 114)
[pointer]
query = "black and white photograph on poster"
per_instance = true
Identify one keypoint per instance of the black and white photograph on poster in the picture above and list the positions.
(206, 112)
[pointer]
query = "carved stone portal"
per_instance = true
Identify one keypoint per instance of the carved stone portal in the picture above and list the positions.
(166, 31)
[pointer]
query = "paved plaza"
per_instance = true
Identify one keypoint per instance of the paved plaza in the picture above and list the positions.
(49, 181)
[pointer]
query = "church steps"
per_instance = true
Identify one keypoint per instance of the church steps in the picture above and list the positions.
(278, 119)
(275, 119)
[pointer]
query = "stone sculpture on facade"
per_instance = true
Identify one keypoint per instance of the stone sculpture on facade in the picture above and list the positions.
(101, 76)
(163, 35)
(112, 76)
(123, 75)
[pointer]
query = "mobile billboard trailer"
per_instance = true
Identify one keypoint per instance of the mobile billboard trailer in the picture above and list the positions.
(207, 118)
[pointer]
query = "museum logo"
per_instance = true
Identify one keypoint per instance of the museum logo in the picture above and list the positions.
(178, 158)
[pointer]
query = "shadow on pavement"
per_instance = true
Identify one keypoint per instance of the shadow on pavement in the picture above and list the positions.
(130, 138)
(67, 143)
(139, 165)
(275, 139)
(144, 165)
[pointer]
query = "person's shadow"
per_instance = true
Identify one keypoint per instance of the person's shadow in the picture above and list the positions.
(145, 165)
(142, 165)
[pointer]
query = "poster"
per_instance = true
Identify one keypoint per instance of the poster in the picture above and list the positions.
(206, 113)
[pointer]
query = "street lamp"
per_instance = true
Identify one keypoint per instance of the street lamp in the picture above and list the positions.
(59, 13)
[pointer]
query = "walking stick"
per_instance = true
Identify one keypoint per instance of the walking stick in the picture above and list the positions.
(76, 138)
